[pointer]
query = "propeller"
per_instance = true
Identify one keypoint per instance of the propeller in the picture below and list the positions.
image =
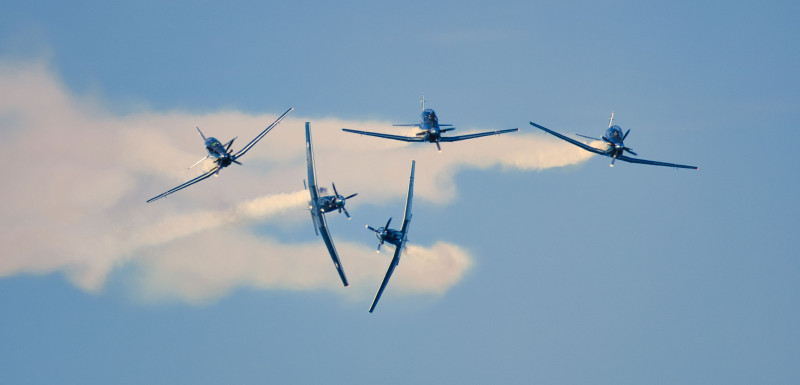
(228, 147)
(338, 197)
(438, 147)
(381, 233)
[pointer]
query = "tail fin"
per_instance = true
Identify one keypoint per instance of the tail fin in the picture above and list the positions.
(423, 102)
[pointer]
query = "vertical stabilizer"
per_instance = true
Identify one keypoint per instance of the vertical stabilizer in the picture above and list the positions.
(201, 133)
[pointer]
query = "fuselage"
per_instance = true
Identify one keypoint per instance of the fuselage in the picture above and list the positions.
(217, 151)
(330, 203)
(389, 235)
(429, 123)
(614, 138)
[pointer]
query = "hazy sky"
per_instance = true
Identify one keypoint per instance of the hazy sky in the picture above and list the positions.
(531, 261)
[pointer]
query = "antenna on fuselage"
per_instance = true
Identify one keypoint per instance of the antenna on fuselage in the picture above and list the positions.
(611, 120)
(423, 102)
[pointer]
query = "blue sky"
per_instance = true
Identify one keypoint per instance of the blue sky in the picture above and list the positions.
(533, 262)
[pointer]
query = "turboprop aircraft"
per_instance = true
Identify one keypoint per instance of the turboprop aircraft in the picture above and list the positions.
(431, 130)
(319, 205)
(396, 237)
(222, 154)
(615, 146)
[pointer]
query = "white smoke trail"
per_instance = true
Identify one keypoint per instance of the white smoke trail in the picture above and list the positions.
(73, 201)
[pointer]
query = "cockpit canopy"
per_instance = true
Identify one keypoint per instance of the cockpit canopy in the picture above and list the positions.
(614, 133)
(429, 117)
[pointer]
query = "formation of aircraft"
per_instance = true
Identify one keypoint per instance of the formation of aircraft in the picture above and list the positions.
(319, 205)
(223, 156)
(431, 130)
(396, 237)
(615, 146)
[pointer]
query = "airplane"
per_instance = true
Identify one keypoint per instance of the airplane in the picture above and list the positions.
(319, 205)
(615, 148)
(396, 237)
(431, 130)
(222, 154)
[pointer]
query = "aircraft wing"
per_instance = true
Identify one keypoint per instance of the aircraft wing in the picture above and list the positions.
(318, 217)
(399, 248)
(573, 141)
(185, 185)
(312, 178)
(389, 272)
(326, 236)
(255, 140)
(409, 198)
(471, 136)
(387, 136)
(654, 163)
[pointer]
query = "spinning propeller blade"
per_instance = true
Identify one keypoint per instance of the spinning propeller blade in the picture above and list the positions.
(228, 147)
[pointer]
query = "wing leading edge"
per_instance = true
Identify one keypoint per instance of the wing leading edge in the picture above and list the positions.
(387, 136)
(187, 184)
(316, 215)
(478, 135)
(399, 248)
(326, 236)
(258, 137)
(653, 162)
(568, 139)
